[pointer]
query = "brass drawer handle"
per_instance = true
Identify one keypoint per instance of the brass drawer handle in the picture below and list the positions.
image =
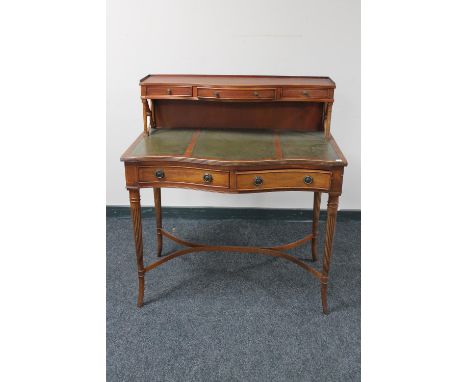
(207, 178)
(216, 94)
(256, 94)
(159, 174)
(306, 93)
(258, 181)
(308, 179)
(169, 91)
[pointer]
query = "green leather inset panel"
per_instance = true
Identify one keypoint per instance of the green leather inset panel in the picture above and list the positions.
(309, 145)
(235, 145)
(164, 142)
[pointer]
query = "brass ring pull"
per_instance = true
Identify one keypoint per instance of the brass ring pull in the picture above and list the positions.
(159, 174)
(258, 181)
(306, 93)
(256, 94)
(169, 91)
(308, 179)
(216, 94)
(207, 178)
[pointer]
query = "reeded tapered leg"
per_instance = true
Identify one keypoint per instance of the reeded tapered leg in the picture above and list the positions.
(332, 208)
(135, 209)
(315, 223)
(157, 207)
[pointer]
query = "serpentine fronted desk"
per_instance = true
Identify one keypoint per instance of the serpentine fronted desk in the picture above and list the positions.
(236, 134)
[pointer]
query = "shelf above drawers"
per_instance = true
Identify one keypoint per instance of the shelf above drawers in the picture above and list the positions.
(238, 88)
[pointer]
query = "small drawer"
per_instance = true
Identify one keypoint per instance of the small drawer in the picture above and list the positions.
(283, 179)
(236, 94)
(183, 175)
(169, 91)
(304, 93)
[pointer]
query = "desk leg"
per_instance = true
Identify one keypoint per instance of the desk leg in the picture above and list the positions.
(137, 236)
(157, 207)
(332, 209)
(315, 223)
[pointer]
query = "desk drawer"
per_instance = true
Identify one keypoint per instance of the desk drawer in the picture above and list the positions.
(183, 175)
(169, 91)
(304, 93)
(236, 94)
(283, 179)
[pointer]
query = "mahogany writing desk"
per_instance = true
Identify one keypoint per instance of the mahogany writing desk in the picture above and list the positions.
(236, 134)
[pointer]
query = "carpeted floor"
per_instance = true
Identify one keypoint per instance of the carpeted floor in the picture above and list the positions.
(231, 316)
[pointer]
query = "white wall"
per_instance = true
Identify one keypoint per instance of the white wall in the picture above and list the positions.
(294, 37)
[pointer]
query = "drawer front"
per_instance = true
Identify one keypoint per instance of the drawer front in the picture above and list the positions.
(236, 94)
(304, 93)
(169, 91)
(183, 175)
(284, 179)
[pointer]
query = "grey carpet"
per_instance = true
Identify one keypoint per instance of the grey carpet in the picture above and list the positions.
(231, 316)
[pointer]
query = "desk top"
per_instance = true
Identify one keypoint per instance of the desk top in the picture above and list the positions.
(236, 147)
